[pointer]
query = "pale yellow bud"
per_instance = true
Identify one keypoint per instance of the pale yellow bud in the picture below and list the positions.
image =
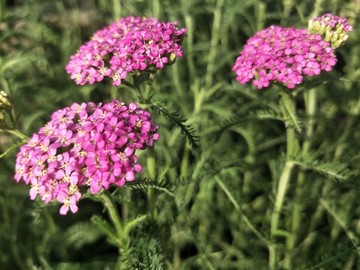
(172, 58)
(5, 101)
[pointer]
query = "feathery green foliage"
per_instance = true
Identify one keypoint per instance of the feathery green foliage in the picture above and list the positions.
(191, 209)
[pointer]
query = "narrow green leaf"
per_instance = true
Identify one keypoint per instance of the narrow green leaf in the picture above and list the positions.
(105, 228)
(11, 148)
(130, 224)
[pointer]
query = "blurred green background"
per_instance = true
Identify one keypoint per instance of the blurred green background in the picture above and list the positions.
(216, 191)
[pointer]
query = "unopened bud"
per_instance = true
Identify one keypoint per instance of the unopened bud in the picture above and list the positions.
(328, 36)
(337, 43)
(333, 28)
(172, 58)
(316, 27)
(334, 38)
(5, 101)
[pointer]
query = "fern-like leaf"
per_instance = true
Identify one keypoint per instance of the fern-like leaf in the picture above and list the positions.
(148, 256)
(146, 183)
(82, 233)
(267, 114)
(336, 171)
(177, 119)
(331, 257)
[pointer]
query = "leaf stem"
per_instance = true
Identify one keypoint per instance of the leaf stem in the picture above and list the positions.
(122, 241)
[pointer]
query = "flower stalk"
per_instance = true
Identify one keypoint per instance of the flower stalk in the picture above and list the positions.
(121, 240)
(287, 103)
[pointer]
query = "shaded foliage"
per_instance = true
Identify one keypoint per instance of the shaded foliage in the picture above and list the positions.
(208, 209)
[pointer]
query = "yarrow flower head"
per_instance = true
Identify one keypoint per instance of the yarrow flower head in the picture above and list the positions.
(283, 55)
(334, 28)
(128, 45)
(84, 147)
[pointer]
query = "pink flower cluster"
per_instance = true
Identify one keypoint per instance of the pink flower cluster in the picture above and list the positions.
(283, 55)
(129, 44)
(84, 146)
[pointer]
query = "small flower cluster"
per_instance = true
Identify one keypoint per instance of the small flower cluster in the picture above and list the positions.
(84, 146)
(283, 55)
(125, 46)
(334, 28)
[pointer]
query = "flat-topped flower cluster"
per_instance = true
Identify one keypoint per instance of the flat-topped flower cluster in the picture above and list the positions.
(84, 146)
(283, 55)
(129, 44)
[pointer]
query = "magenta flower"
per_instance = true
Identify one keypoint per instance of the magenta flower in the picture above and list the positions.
(283, 55)
(128, 45)
(84, 146)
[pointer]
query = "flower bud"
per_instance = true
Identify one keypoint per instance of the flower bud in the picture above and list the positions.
(337, 44)
(334, 38)
(328, 36)
(172, 58)
(5, 101)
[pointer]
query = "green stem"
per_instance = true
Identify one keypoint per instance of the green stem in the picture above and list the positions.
(310, 106)
(17, 133)
(317, 8)
(215, 36)
(110, 205)
(151, 168)
(185, 162)
(275, 217)
(287, 6)
(156, 8)
(189, 44)
(310, 103)
(290, 143)
(116, 10)
(288, 106)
